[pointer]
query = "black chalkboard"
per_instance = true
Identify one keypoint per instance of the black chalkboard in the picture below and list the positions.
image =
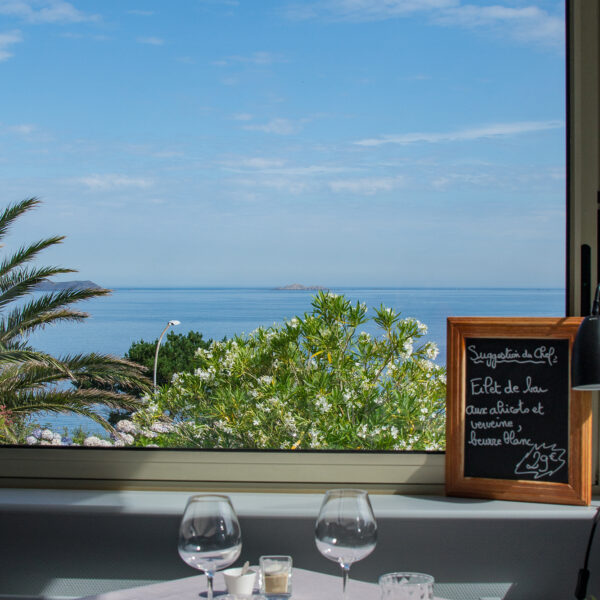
(515, 430)
(517, 409)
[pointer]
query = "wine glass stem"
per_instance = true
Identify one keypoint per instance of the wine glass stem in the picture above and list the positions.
(209, 586)
(345, 577)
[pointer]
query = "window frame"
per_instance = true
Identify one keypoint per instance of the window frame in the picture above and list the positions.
(406, 472)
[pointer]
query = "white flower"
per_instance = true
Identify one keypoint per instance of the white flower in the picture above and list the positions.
(92, 440)
(203, 375)
(105, 444)
(162, 427)
(432, 351)
(322, 404)
(47, 435)
(394, 432)
(56, 441)
(265, 380)
(126, 438)
(31, 440)
(149, 434)
(125, 426)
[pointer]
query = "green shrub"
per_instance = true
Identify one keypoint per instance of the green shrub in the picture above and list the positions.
(316, 381)
(176, 354)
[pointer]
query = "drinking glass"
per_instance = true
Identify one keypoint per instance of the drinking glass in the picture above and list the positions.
(406, 586)
(346, 530)
(209, 535)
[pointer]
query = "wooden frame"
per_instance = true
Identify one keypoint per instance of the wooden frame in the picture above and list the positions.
(578, 488)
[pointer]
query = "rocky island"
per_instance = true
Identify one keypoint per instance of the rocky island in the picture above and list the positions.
(57, 286)
(297, 286)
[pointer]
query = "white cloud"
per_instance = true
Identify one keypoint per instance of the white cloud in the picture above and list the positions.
(152, 41)
(256, 58)
(364, 10)
(525, 23)
(312, 170)
(113, 181)
(465, 179)
(8, 38)
(477, 133)
(366, 186)
(44, 11)
(277, 126)
(229, 80)
(255, 163)
(278, 167)
(24, 129)
(284, 184)
(242, 117)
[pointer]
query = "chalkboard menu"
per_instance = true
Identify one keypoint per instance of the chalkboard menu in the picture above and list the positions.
(515, 429)
(516, 408)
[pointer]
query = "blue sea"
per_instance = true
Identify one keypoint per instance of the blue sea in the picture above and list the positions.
(131, 314)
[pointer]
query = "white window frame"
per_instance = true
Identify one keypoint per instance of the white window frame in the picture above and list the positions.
(379, 472)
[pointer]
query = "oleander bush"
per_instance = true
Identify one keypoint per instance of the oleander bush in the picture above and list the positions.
(318, 381)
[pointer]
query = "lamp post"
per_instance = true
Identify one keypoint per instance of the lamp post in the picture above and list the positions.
(169, 324)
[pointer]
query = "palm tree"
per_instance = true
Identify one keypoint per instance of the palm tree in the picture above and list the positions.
(32, 381)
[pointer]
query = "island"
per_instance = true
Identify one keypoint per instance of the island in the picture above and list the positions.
(297, 286)
(58, 286)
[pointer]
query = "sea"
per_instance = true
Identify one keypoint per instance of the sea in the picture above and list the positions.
(133, 314)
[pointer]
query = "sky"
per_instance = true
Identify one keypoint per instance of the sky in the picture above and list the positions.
(258, 143)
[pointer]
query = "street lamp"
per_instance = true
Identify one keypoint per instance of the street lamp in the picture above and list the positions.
(169, 324)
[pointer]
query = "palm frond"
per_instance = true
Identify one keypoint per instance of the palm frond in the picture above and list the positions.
(16, 285)
(14, 211)
(21, 359)
(47, 309)
(79, 401)
(26, 254)
(33, 374)
(108, 370)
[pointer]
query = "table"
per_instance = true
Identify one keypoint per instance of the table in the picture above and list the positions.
(306, 585)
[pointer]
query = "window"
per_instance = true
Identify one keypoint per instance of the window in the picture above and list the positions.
(411, 472)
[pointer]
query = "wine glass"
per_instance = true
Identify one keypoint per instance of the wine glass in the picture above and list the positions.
(209, 535)
(346, 530)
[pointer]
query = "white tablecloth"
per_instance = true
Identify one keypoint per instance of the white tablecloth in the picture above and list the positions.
(306, 585)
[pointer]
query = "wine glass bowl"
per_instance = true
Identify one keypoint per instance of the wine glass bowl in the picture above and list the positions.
(346, 530)
(210, 538)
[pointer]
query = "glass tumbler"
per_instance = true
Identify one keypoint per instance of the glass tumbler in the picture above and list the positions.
(276, 576)
(406, 586)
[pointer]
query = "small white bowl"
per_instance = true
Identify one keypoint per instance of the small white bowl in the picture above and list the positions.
(238, 584)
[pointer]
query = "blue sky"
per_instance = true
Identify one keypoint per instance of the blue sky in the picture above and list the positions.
(251, 143)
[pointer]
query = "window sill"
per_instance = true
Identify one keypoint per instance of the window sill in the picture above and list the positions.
(89, 541)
